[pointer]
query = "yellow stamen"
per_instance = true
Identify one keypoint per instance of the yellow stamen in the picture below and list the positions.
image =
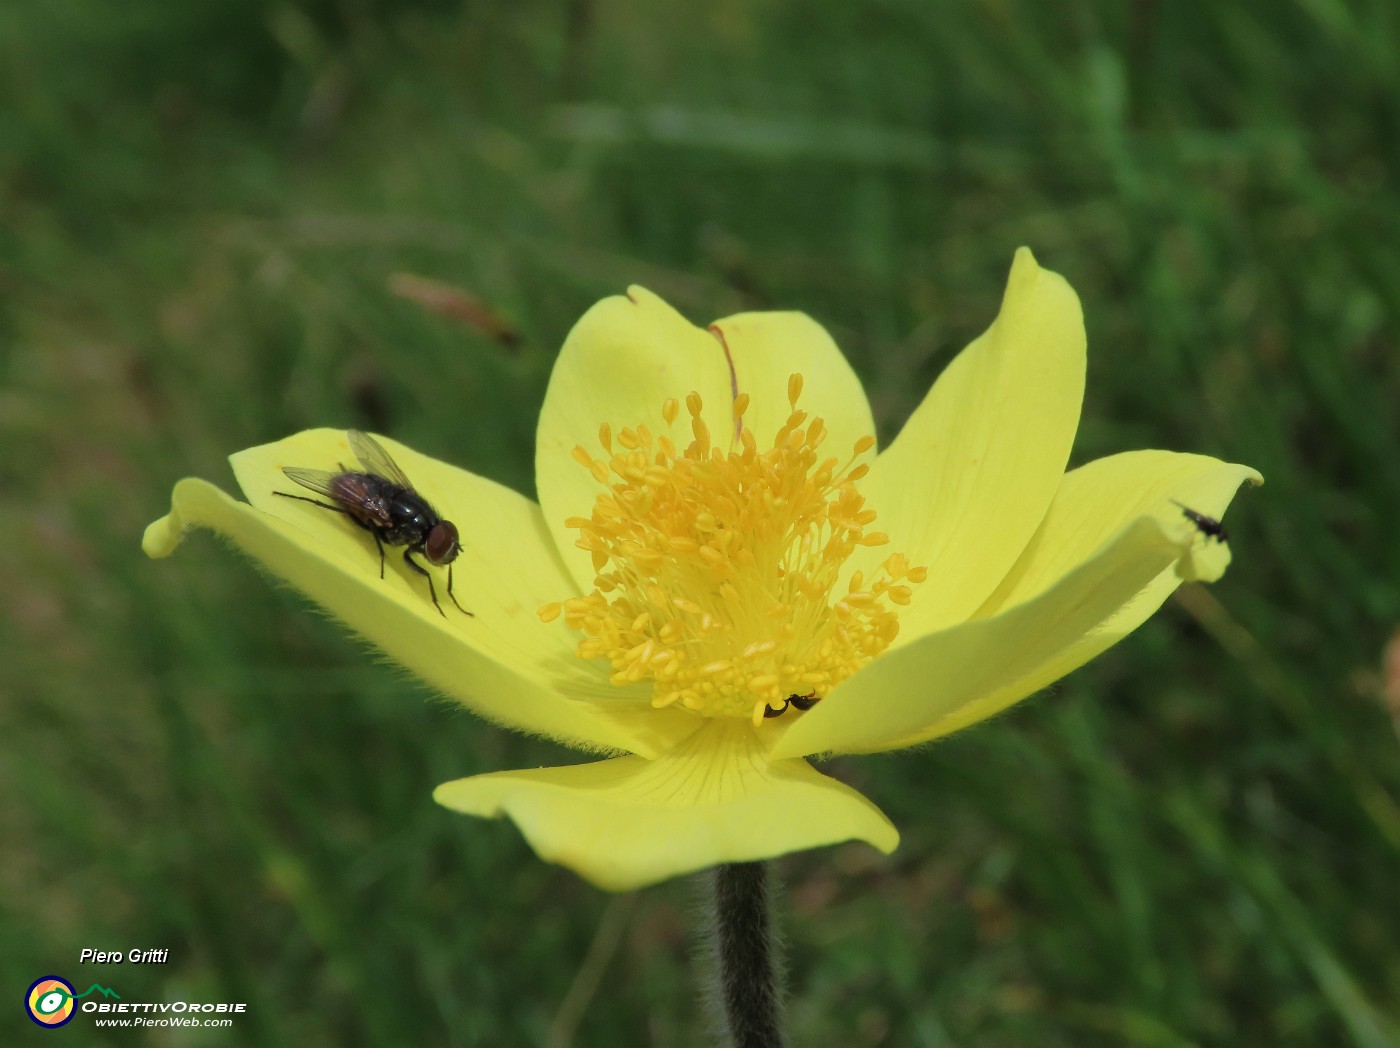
(718, 572)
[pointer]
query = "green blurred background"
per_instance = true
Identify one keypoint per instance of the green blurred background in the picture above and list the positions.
(219, 223)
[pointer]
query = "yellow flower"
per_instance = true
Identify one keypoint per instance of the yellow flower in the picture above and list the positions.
(702, 587)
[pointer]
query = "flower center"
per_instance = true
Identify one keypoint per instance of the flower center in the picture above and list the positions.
(717, 571)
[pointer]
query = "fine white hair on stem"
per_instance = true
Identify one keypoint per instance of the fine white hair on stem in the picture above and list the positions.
(741, 958)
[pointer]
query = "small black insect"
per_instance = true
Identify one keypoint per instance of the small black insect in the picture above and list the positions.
(797, 702)
(381, 500)
(1208, 526)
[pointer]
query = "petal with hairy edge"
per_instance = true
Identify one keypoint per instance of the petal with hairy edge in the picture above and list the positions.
(624, 358)
(902, 693)
(503, 663)
(626, 823)
(766, 349)
(966, 483)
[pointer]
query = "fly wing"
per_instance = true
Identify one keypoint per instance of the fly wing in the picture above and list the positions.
(360, 495)
(375, 459)
(318, 480)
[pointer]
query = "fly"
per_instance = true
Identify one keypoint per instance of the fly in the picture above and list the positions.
(381, 499)
(1207, 526)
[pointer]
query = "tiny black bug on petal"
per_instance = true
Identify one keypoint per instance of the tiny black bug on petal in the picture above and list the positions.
(797, 702)
(1207, 526)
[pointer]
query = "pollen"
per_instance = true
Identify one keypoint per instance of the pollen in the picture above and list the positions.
(720, 574)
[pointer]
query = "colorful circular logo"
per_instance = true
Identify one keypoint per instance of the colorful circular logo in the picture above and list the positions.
(50, 1001)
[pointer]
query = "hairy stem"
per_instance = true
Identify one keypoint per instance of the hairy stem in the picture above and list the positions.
(746, 957)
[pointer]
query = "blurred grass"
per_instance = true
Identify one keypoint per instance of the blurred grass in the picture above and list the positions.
(1193, 841)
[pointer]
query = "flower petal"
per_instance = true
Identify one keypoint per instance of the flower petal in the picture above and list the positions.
(765, 349)
(1096, 500)
(624, 358)
(1118, 487)
(964, 486)
(628, 822)
(503, 663)
(1064, 603)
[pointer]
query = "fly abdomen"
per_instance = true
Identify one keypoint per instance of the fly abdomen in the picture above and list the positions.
(362, 496)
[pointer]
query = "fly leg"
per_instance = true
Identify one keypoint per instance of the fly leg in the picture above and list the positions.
(432, 592)
(314, 502)
(379, 543)
(463, 610)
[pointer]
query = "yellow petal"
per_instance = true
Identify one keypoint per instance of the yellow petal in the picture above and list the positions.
(624, 358)
(1110, 550)
(768, 348)
(628, 822)
(1094, 501)
(964, 486)
(503, 663)
(902, 694)
(1205, 562)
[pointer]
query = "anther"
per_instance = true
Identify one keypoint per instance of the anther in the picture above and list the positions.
(718, 571)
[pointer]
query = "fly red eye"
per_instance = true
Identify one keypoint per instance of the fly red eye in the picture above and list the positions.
(441, 547)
